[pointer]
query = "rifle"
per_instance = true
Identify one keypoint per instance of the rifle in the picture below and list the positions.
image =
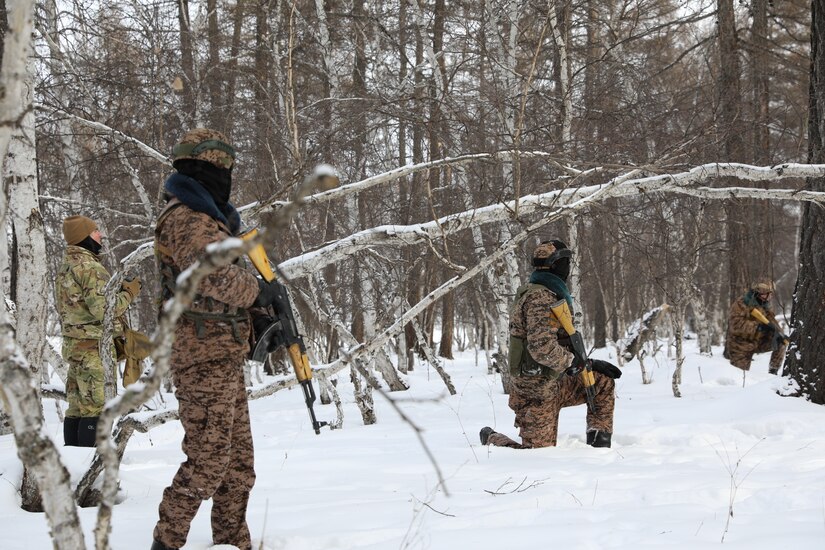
(562, 312)
(759, 316)
(283, 332)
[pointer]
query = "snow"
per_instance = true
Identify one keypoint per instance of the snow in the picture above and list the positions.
(675, 467)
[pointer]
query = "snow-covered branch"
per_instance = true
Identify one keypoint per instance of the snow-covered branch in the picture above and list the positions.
(683, 183)
(105, 130)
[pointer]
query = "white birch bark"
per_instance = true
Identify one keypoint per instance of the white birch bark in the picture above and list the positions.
(31, 287)
(564, 71)
(59, 65)
(134, 179)
(18, 388)
(35, 449)
(505, 70)
(330, 64)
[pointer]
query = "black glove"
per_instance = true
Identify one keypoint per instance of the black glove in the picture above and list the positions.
(765, 329)
(260, 323)
(576, 366)
(608, 369)
(268, 293)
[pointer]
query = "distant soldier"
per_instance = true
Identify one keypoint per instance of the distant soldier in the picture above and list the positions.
(211, 344)
(747, 335)
(545, 372)
(81, 304)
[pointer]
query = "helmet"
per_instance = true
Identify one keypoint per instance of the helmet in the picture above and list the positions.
(549, 252)
(763, 287)
(205, 144)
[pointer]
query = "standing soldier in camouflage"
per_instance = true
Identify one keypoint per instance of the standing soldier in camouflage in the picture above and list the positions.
(545, 371)
(747, 336)
(211, 344)
(81, 305)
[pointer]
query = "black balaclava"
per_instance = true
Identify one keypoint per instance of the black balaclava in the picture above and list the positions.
(561, 268)
(91, 245)
(217, 181)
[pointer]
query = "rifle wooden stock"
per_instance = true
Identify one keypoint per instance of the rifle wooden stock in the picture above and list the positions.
(288, 336)
(759, 316)
(562, 312)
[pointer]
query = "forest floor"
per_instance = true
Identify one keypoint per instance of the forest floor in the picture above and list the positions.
(723, 464)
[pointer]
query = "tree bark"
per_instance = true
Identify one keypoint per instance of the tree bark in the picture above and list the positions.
(805, 361)
(31, 287)
(188, 83)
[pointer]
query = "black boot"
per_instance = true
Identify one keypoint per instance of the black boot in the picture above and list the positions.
(157, 545)
(485, 433)
(87, 432)
(598, 438)
(70, 424)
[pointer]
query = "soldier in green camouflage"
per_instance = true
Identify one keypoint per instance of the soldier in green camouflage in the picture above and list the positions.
(746, 336)
(211, 345)
(544, 369)
(81, 305)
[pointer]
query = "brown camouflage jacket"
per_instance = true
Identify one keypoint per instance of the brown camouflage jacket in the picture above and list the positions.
(531, 319)
(180, 240)
(80, 299)
(742, 326)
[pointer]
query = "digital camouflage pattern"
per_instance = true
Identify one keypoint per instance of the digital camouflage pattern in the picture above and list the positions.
(532, 321)
(537, 400)
(744, 338)
(81, 304)
(207, 369)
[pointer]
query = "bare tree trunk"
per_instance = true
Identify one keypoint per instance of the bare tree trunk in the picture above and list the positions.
(445, 346)
(18, 391)
(677, 319)
(31, 287)
(213, 73)
(230, 65)
(806, 353)
(732, 137)
(188, 84)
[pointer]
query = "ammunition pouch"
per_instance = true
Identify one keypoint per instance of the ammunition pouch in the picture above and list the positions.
(233, 318)
(523, 364)
(136, 347)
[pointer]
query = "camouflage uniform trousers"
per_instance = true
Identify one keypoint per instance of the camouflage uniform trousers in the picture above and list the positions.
(537, 401)
(741, 352)
(220, 459)
(84, 381)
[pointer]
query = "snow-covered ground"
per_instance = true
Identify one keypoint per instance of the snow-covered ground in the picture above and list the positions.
(677, 468)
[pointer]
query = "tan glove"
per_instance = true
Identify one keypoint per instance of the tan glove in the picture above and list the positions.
(132, 287)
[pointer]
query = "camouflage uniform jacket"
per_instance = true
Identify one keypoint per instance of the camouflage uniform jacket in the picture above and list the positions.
(80, 299)
(532, 320)
(218, 315)
(742, 327)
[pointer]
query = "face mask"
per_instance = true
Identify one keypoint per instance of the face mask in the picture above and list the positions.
(91, 245)
(561, 269)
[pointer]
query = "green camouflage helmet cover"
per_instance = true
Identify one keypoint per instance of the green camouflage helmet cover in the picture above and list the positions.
(205, 144)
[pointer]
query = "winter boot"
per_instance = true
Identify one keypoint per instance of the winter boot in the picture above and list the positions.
(485, 434)
(70, 425)
(598, 438)
(157, 545)
(87, 432)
